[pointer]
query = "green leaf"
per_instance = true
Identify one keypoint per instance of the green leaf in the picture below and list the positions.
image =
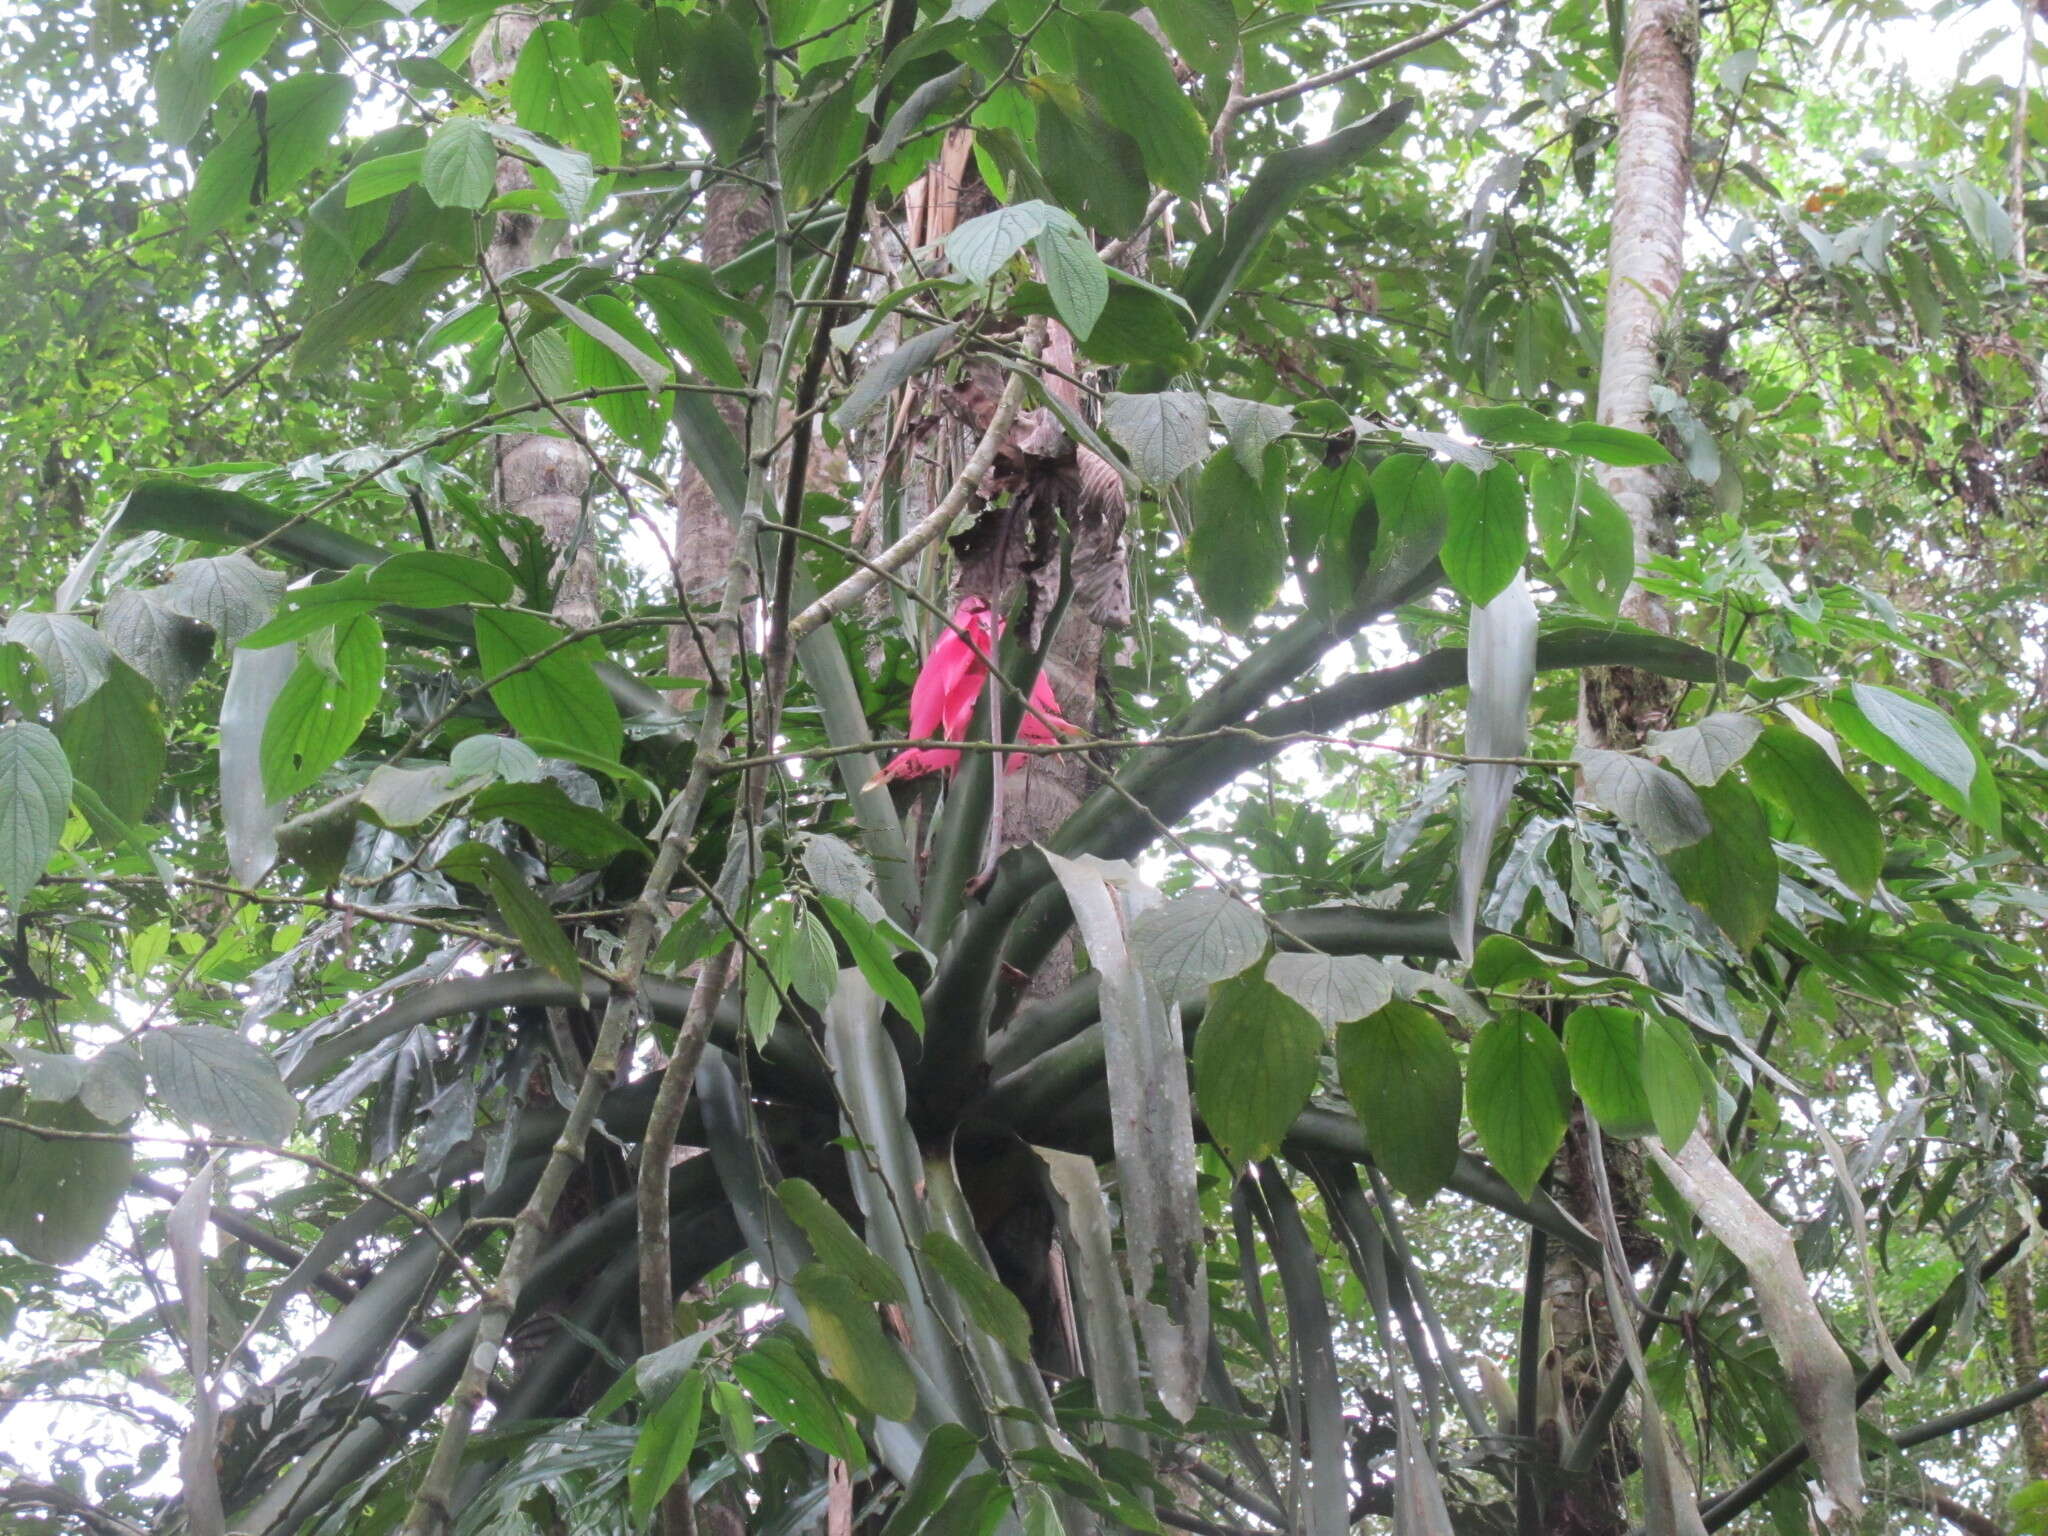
(74, 656)
(662, 1449)
(167, 648)
(555, 92)
(1732, 874)
(1193, 940)
(460, 164)
(35, 799)
(1137, 324)
(432, 579)
(1255, 1066)
(1518, 1094)
(876, 958)
(1237, 548)
(216, 41)
(1601, 560)
(524, 912)
(1166, 434)
(57, 1197)
(1203, 32)
(231, 594)
(891, 372)
(1708, 748)
(851, 1345)
(1075, 274)
(1828, 814)
(210, 1076)
(980, 247)
(1512, 424)
(115, 743)
(321, 712)
(1250, 426)
(1093, 169)
(560, 696)
(568, 173)
(371, 181)
(837, 1246)
(948, 1451)
(1614, 445)
(1674, 1079)
(505, 758)
(782, 1381)
(1220, 262)
(1652, 800)
(1906, 733)
(617, 331)
(708, 68)
(1486, 531)
(1400, 1072)
(990, 1304)
(1127, 74)
(1333, 987)
(1604, 1047)
(1408, 501)
(580, 833)
(402, 798)
(1502, 960)
(267, 152)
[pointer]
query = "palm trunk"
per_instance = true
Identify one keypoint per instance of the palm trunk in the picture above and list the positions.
(1619, 706)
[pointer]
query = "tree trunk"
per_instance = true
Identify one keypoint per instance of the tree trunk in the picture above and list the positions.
(540, 477)
(2023, 1337)
(1620, 706)
(734, 217)
(1645, 267)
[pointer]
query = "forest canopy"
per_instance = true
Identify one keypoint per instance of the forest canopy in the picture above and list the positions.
(969, 766)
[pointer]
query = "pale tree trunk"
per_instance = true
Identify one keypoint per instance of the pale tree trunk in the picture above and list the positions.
(1645, 267)
(538, 476)
(734, 217)
(2022, 1332)
(1619, 706)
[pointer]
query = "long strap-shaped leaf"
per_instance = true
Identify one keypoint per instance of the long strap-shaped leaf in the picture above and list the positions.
(1315, 1352)
(1500, 665)
(1098, 1290)
(1152, 1127)
(886, 1170)
(745, 1168)
(1823, 1386)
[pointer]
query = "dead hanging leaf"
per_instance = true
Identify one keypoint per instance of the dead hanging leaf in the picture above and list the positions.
(1501, 666)
(1152, 1121)
(1823, 1385)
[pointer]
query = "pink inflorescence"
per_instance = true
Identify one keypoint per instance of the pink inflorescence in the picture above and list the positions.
(943, 699)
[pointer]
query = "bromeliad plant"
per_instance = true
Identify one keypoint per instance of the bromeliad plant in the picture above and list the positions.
(620, 1097)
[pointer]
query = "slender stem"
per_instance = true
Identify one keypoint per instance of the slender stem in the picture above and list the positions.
(1387, 55)
(780, 642)
(672, 1097)
(934, 523)
(1528, 1493)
